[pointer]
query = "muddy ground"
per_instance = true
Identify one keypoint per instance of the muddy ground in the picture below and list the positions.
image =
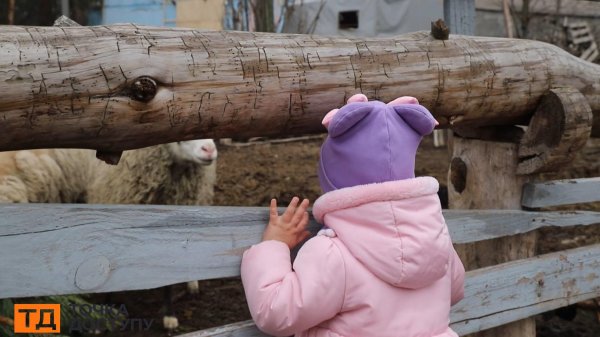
(252, 175)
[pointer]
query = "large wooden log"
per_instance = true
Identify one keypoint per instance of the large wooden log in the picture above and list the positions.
(125, 86)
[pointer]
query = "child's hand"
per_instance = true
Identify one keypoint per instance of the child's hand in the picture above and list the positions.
(290, 227)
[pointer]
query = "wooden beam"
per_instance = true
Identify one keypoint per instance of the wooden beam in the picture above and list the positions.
(561, 192)
(477, 225)
(501, 294)
(48, 249)
(504, 293)
(119, 87)
(483, 176)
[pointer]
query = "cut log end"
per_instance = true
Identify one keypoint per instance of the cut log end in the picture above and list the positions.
(560, 127)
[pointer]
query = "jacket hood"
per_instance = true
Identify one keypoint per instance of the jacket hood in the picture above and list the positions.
(395, 229)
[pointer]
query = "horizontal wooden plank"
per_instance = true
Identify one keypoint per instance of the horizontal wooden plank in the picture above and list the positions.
(561, 192)
(511, 291)
(583, 39)
(60, 249)
(48, 249)
(501, 294)
(467, 226)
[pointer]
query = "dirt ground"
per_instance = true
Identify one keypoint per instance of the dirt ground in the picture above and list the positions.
(252, 175)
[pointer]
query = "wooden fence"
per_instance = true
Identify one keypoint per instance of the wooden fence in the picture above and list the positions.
(48, 249)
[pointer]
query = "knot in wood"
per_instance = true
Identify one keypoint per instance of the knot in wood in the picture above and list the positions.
(458, 174)
(92, 273)
(143, 89)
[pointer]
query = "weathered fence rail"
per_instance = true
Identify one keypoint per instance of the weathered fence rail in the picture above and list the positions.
(59, 248)
(561, 192)
(501, 294)
(48, 249)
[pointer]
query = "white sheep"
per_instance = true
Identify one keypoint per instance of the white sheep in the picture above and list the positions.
(181, 173)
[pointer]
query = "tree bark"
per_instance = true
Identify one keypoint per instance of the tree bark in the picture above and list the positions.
(120, 87)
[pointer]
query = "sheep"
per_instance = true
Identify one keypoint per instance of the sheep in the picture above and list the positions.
(181, 173)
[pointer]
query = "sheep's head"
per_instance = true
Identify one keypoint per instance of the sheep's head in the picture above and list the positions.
(199, 151)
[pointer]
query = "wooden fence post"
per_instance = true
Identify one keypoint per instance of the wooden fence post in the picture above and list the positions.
(483, 176)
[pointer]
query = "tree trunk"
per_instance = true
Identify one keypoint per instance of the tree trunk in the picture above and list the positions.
(125, 86)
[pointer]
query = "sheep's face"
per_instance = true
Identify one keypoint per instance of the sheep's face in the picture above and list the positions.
(199, 151)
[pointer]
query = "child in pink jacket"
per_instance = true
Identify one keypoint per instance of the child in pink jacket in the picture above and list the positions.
(384, 264)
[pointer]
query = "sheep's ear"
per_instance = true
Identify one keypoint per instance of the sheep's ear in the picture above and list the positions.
(347, 117)
(417, 117)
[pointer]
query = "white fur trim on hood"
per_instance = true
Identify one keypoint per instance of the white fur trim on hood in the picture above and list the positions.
(362, 194)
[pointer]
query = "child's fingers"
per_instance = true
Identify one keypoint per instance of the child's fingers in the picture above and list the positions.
(273, 209)
(304, 204)
(299, 213)
(290, 210)
(304, 220)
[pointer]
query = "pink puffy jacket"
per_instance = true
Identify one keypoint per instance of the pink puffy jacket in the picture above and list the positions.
(389, 270)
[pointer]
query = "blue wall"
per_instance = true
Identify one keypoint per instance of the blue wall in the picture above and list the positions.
(144, 12)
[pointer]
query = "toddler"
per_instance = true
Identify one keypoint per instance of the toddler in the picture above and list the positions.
(383, 264)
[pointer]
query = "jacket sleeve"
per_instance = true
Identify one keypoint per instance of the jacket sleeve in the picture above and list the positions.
(284, 301)
(458, 279)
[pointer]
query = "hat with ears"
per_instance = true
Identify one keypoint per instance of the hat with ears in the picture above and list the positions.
(372, 142)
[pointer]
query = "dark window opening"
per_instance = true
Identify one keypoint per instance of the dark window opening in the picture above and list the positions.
(348, 19)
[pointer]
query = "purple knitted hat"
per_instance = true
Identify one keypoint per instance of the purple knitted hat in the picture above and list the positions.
(372, 142)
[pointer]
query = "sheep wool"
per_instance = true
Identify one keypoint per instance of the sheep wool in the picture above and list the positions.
(182, 173)
(153, 175)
